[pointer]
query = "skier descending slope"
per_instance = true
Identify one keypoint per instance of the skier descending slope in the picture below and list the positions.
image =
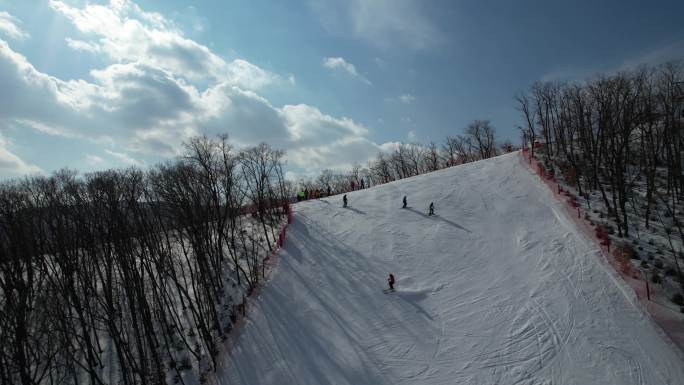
(404, 206)
(344, 200)
(390, 282)
(432, 209)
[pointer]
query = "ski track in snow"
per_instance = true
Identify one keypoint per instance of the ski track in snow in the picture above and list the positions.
(497, 288)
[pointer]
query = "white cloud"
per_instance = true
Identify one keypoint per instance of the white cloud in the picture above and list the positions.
(11, 165)
(246, 116)
(308, 125)
(382, 23)
(340, 63)
(246, 75)
(404, 99)
(411, 136)
(52, 130)
(23, 88)
(292, 176)
(338, 155)
(81, 45)
(147, 110)
(663, 54)
(190, 18)
(390, 146)
(313, 139)
(8, 25)
(124, 101)
(126, 33)
(148, 99)
(320, 141)
(123, 158)
(666, 53)
(93, 160)
(407, 98)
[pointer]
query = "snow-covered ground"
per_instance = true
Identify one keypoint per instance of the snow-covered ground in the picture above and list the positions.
(497, 288)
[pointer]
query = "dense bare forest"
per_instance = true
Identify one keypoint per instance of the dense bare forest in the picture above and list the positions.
(131, 276)
(617, 141)
(404, 160)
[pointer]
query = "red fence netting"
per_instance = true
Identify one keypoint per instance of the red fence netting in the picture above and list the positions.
(287, 209)
(619, 259)
(581, 219)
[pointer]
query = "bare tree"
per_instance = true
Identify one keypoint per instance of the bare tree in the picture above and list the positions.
(432, 157)
(482, 134)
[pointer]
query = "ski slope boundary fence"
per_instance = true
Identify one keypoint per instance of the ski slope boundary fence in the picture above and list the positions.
(644, 292)
(269, 260)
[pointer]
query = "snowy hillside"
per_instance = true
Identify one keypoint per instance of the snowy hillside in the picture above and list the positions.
(497, 288)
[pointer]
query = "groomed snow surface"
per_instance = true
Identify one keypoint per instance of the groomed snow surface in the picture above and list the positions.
(498, 288)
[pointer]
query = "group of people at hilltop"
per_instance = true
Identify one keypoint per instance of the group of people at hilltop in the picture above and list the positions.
(313, 194)
(316, 193)
(359, 185)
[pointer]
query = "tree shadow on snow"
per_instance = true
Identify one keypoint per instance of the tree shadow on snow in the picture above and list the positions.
(454, 224)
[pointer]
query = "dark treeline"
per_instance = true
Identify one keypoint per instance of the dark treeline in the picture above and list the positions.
(612, 133)
(409, 159)
(125, 275)
(405, 160)
(618, 136)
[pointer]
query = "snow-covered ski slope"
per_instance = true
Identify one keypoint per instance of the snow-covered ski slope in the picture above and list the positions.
(498, 288)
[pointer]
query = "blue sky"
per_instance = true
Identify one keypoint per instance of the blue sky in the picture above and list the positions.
(98, 84)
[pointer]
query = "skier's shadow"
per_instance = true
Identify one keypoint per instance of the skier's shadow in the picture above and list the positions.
(454, 224)
(412, 298)
(355, 210)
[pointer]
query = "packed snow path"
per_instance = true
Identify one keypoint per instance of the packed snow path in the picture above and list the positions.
(497, 288)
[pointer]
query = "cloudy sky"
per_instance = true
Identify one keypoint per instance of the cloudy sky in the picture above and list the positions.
(92, 85)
